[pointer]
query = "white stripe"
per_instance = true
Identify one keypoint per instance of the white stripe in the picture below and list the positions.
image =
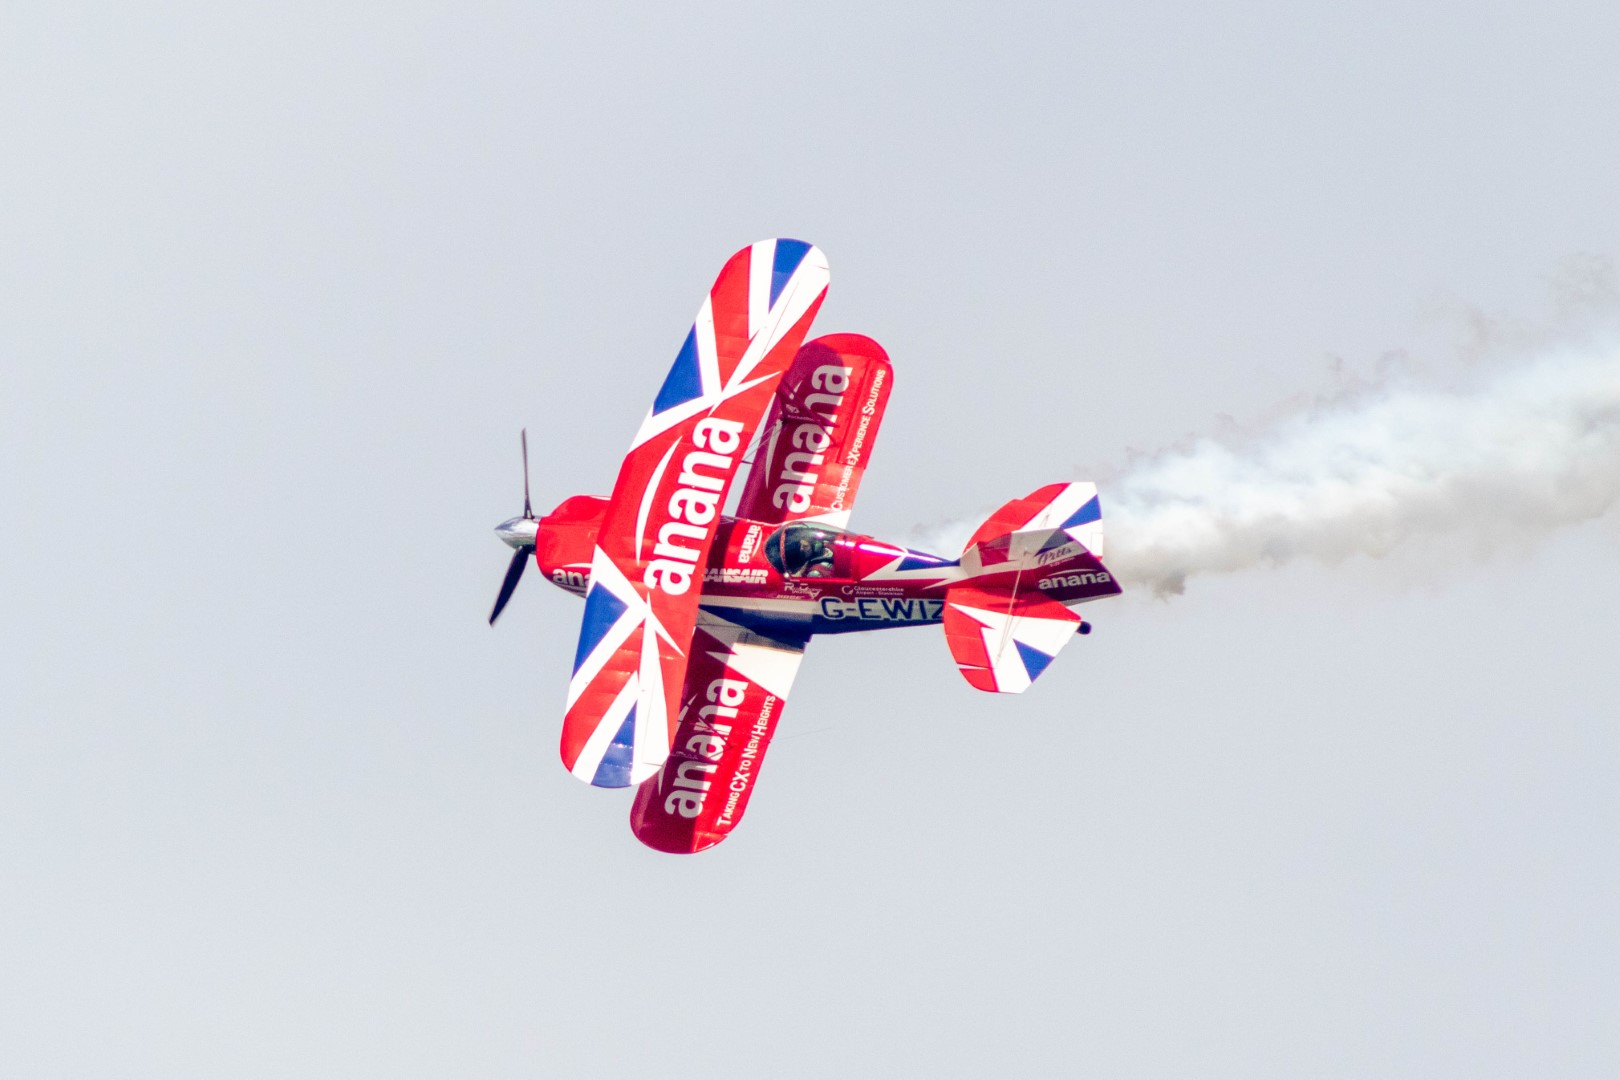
(769, 666)
(1044, 635)
(928, 575)
(808, 282)
(655, 424)
(603, 572)
(650, 742)
(761, 263)
(767, 663)
(708, 351)
(1060, 509)
(595, 748)
(1005, 665)
(708, 377)
(838, 519)
(647, 498)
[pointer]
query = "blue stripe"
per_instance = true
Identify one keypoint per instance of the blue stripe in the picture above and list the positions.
(615, 768)
(789, 254)
(1085, 515)
(685, 379)
(602, 610)
(771, 624)
(1056, 540)
(916, 560)
(1034, 660)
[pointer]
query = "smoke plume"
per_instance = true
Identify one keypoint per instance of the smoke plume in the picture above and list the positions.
(1510, 454)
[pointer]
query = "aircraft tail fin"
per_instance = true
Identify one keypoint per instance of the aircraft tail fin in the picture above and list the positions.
(1025, 567)
(1045, 527)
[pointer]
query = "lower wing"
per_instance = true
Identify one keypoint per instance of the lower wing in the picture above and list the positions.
(736, 684)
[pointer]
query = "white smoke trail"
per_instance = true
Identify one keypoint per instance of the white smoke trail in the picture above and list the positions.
(1513, 455)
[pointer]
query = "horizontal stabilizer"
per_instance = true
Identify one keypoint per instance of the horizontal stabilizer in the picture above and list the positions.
(1002, 640)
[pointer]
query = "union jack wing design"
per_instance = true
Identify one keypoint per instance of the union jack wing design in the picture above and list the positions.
(1002, 640)
(646, 569)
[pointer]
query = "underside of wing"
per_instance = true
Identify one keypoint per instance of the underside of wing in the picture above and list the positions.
(646, 569)
(817, 441)
(736, 685)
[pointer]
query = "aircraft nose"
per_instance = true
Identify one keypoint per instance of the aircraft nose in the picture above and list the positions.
(518, 532)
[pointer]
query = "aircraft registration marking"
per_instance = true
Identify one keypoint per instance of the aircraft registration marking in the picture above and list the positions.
(882, 609)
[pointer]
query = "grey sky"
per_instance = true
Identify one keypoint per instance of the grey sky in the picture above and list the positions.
(278, 289)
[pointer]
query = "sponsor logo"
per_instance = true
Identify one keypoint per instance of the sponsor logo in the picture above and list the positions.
(750, 544)
(882, 609)
(1058, 554)
(748, 761)
(1070, 581)
(572, 580)
(689, 773)
(730, 575)
(800, 472)
(705, 471)
(857, 445)
(688, 783)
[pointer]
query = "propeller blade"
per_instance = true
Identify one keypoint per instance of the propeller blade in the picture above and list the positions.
(527, 512)
(514, 571)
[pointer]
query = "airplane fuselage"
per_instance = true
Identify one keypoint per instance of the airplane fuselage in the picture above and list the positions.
(789, 581)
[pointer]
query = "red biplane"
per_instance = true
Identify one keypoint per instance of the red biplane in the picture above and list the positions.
(723, 550)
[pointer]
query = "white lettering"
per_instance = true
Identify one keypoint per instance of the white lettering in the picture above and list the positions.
(685, 803)
(694, 505)
(1070, 581)
(721, 436)
(698, 507)
(707, 746)
(669, 531)
(832, 378)
(727, 691)
(672, 577)
(685, 779)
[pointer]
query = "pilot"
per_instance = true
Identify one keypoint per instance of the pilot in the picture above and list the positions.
(813, 556)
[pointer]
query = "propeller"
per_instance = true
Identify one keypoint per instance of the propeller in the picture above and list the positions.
(518, 533)
(514, 571)
(523, 438)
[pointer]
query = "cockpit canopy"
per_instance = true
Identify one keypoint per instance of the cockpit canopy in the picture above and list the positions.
(801, 549)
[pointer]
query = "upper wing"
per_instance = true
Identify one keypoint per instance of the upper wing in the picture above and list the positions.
(656, 533)
(818, 439)
(736, 685)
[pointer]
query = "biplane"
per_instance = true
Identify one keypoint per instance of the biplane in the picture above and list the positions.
(724, 549)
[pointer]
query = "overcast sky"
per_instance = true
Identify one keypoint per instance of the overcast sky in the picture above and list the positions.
(279, 284)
